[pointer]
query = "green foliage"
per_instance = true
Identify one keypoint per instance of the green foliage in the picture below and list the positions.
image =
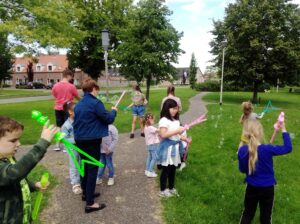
(214, 86)
(211, 187)
(149, 44)
(193, 71)
(46, 23)
(88, 53)
(262, 41)
(6, 59)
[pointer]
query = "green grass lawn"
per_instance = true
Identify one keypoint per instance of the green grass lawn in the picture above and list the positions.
(22, 112)
(35, 176)
(211, 188)
(4, 93)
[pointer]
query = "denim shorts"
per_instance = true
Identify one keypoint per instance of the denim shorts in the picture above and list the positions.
(138, 110)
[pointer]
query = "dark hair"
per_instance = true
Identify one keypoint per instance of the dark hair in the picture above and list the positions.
(68, 106)
(171, 90)
(165, 111)
(137, 88)
(147, 117)
(9, 125)
(88, 85)
(68, 72)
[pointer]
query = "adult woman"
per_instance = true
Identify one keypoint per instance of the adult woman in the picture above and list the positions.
(90, 125)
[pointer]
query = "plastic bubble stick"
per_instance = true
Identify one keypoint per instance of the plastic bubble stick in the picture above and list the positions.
(119, 100)
(196, 121)
(269, 107)
(59, 136)
(39, 197)
(277, 125)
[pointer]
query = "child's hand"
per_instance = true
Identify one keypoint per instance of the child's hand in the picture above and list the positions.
(283, 128)
(114, 108)
(38, 186)
(49, 132)
(180, 129)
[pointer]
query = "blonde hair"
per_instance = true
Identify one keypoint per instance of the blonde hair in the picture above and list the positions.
(253, 132)
(247, 108)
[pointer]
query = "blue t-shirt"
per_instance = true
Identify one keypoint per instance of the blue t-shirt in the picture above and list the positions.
(263, 175)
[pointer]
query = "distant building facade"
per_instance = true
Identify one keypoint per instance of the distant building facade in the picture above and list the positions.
(47, 70)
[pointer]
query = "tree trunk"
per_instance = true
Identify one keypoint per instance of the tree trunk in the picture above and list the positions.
(148, 82)
(255, 92)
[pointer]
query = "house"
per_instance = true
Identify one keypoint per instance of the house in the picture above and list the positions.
(181, 73)
(47, 69)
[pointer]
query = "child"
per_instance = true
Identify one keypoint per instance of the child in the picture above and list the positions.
(152, 142)
(186, 141)
(138, 104)
(15, 201)
(247, 108)
(170, 148)
(256, 161)
(67, 128)
(248, 113)
(107, 149)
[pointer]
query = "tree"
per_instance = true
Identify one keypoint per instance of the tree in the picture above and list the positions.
(262, 41)
(36, 23)
(193, 71)
(6, 59)
(88, 53)
(149, 44)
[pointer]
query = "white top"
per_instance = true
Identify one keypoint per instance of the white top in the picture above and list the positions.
(171, 126)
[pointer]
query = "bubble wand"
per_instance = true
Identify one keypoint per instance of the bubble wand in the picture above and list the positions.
(277, 125)
(59, 136)
(119, 100)
(44, 182)
(198, 120)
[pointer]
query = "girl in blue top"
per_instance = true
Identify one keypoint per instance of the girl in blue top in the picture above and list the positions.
(256, 161)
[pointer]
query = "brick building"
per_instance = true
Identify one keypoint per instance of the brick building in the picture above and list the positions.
(48, 70)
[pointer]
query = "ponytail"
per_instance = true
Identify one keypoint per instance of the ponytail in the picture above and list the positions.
(252, 149)
(253, 132)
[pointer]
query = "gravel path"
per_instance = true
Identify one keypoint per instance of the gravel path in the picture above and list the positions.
(134, 197)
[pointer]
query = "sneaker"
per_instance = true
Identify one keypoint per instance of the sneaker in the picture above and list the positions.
(77, 189)
(165, 194)
(142, 134)
(182, 166)
(99, 181)
(146, 172)
(56, 149)
(110, 181)
(174, 192)
(131, 135)
(151, 174)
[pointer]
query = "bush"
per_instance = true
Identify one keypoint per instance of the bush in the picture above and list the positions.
(211, 86)
(214, 86)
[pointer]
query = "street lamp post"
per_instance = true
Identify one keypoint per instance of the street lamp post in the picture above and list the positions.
(105, 44)
(221, 89)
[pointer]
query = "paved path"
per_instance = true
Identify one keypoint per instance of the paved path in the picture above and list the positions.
(134, 197)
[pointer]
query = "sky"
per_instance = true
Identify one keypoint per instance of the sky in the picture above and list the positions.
(194, 18)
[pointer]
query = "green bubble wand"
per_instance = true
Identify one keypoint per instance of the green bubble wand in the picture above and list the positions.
(59, 136)
(44, 182)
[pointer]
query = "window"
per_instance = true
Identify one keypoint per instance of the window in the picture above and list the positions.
(49, 68)
(18, 68)
(38, 68)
